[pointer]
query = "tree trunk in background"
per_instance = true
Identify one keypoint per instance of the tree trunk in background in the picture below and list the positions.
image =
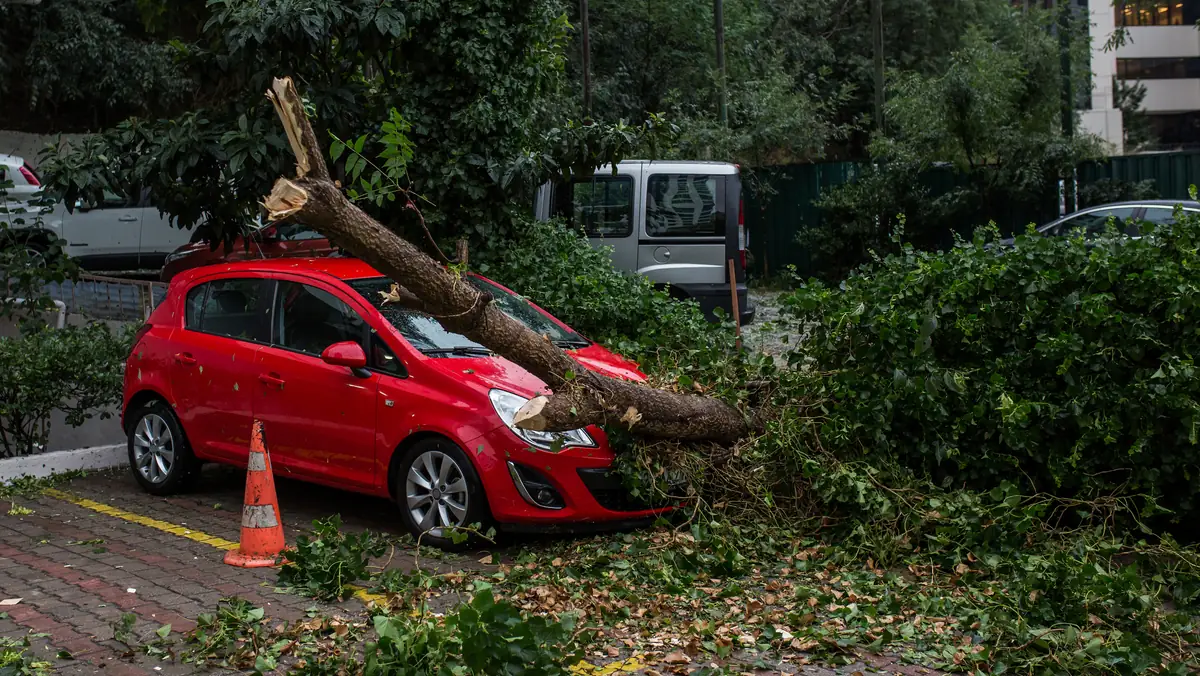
(581, 397)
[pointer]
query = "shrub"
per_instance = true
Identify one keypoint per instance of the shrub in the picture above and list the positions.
(1106, 190)
(324, 564)
(484, 636)
(559, 270)
(77, 370)
(1061, 364)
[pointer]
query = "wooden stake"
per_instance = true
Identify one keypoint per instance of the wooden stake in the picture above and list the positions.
(462, 252)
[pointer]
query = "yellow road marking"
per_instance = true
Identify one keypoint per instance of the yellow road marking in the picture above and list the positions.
(108, 510)
(181, 531)
(628, 665)
(585, 668)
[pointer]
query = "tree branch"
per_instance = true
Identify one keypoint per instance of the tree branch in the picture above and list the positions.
(581, 397)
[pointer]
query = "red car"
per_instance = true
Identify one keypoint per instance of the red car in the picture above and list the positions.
(279, 240)
(361, 396)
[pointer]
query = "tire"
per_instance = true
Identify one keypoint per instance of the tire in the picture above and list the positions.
(159, 454)
(425, 520)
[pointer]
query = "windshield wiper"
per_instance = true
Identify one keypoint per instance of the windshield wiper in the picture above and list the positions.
(461, 350)
(571, 343)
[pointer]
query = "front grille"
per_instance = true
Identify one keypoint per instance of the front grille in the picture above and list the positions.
(605, 485)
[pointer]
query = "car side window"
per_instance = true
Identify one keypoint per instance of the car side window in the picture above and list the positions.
(235, 308)
(602, 206)
(685, 205)
(312, 319)
(1160, 215)
(1094, 222)
(193, 307)
(381, 357)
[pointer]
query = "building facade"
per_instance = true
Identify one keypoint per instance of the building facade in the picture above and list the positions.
(1162, 53)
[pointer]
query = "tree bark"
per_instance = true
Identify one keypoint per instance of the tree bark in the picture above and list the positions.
(580, 397)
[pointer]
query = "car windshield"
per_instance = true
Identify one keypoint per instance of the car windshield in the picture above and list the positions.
(427, 335)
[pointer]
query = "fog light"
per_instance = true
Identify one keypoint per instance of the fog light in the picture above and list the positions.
(534, 487)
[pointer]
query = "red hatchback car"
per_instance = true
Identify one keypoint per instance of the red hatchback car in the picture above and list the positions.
(361, 396)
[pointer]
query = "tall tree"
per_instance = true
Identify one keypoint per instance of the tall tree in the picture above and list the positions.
(469, 83)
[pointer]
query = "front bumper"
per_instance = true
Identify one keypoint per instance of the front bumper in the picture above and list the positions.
(591, 496)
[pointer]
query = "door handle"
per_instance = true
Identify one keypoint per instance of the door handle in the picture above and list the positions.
(271, 379)
(127, 219)
(185, 358)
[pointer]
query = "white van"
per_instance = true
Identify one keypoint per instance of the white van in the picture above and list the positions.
(678, 223)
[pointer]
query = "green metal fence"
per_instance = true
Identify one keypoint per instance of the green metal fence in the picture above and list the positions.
(776, 219)
(1171, 172)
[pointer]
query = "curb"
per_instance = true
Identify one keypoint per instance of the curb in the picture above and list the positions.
(46, 464)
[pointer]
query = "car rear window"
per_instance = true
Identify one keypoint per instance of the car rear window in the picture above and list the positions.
(685, 205)
(426, 333)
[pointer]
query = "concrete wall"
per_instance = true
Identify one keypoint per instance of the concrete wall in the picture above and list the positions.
(1103, 119)
(27, 145)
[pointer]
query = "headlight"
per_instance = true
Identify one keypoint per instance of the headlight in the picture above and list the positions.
(175, 255)
(507, 404)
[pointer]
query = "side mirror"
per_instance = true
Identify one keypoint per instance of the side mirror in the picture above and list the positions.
(82, 206)
(349, 354)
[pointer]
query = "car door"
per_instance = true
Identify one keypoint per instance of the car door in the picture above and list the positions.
(319, 418)
(104, 235)
(605, 208)
(226, 322)
(685, 236)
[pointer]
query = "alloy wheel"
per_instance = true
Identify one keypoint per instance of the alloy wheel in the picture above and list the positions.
(154, 448)
(436, 489)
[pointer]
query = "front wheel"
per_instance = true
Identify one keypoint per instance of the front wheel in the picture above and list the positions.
(159, 454)
(439, 492)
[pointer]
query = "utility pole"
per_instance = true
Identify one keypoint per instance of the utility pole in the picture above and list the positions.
(587, 58)
(719, 28)
(1068, 94)
(877, 43)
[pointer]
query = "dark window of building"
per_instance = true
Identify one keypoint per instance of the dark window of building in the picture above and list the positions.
(1158, 69)
(1176, 129)
(1158, 12)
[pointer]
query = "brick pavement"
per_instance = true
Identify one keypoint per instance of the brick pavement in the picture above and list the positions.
(73, 566)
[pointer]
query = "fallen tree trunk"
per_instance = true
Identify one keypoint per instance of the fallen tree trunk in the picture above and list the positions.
(580, 397)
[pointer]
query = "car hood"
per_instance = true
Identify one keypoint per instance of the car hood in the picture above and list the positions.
(497, 372)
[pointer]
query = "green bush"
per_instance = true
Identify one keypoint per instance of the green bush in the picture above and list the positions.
(1107, 190)
(559, 270)
(483, 636)
(326, 563)
(1059, 364)
(77, 370)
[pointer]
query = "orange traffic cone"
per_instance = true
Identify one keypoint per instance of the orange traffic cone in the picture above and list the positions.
(262, 528)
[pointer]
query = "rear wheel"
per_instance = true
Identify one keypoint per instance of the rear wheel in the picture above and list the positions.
(439, 493)
(159, 454)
